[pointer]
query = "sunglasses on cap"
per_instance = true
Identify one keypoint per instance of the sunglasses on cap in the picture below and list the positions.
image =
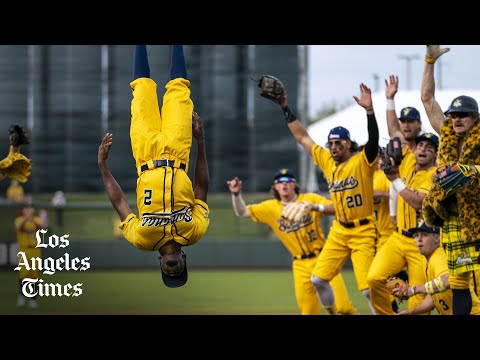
(462, 115)
(284, 179)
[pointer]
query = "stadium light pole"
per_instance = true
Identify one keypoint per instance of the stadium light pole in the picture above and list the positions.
(408, 59)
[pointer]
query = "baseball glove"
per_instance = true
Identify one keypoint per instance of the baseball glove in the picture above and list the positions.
(394, 282)
(18, 135)
(454, 177)
(294, 212)
(271, 88)
(393, 150)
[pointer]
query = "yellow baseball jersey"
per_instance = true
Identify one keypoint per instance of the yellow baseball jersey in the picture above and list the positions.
(351, 190)
(381, 207)
(408, 163)
(419, 181)
(437, 266)
(27, 243)
(303, 238)
(15, 192)
(350, 184)
(300, 238)
(165, 199)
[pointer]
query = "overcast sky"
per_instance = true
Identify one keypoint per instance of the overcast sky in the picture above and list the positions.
(336, 71)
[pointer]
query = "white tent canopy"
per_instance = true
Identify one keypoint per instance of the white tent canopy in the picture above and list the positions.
(354, 119)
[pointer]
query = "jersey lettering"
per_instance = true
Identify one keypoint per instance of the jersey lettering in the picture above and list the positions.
(148, 197)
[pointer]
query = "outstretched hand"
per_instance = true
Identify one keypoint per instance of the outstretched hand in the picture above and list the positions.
(104, 148)
(197, 127)
(365, 99)
(434, 52)
(391, 86)
(234, 185)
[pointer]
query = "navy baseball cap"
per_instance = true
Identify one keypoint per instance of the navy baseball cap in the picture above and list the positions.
(409, 113)
(429, 137)
(177, 281)
(283, 175)
(463, 103)
(339, 133)
(422, 226)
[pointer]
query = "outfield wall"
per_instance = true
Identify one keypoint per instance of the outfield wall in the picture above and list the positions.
(261, 252)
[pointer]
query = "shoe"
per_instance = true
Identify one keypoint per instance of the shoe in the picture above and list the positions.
(33, 304)
(20, 301)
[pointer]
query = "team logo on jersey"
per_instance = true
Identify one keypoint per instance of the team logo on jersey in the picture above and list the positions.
(342, 185)
(161, 219)
(463, 259)
(288, 227)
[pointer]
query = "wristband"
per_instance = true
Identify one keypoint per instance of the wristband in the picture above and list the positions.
(390, 104)
(429, 288)
(319, 207)
(399, 185)
(430, 60)
(439, 283)
(235, 193)
(289, 114)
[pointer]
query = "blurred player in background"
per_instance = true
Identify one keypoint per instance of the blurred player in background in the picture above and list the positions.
(172, 213)
(304, 239)
(15, 192)
(457, 214)
(349, 173)
(26, 225)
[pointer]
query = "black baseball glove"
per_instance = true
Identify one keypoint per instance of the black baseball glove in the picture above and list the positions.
(18, 135)
(271, 88)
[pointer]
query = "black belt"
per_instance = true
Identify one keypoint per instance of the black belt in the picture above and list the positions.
(307, 255)
(162, 163)
(351, 224)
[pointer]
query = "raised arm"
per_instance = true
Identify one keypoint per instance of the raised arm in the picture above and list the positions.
(296, 127)
(113, 189)
(202, 177)
(239, 206)
(365, 101)
(432, 107)
(393, 124)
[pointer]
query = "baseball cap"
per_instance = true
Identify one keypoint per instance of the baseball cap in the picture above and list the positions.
(177, 281)
(284, 174)
(339, 133)
(422, 226)
(409, 113)
(429, 137)
(463, 103)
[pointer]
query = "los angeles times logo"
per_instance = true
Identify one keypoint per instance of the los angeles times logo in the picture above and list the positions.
(38, 287)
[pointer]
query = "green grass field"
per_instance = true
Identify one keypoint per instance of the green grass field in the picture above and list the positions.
(208, 292)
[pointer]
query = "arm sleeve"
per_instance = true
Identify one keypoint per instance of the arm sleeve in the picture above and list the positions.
(393, 200)
(371, 148)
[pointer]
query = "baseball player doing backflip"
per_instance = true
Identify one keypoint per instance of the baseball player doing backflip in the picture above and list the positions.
(172, 213)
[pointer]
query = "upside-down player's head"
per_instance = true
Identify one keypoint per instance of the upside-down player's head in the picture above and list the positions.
(174, 267)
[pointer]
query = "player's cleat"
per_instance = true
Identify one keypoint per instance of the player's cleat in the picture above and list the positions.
(331, 310)
(20, 301)
(33, 304)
